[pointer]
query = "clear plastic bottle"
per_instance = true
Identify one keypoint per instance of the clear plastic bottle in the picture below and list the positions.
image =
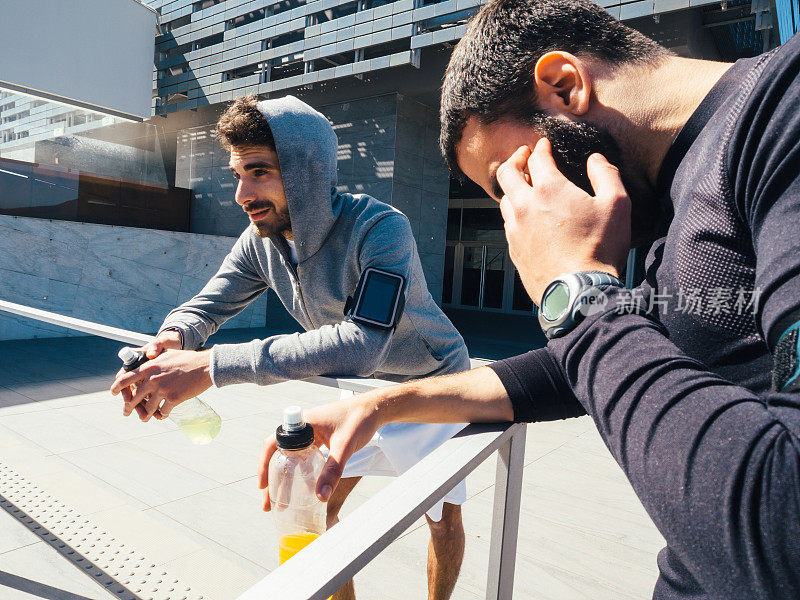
(300, 517)
(196, 419)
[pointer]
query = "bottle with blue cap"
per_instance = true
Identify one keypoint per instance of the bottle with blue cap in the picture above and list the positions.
(300, 517)
(196, 419)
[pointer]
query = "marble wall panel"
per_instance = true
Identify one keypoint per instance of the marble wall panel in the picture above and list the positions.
(110, 308)
(422, 185)
(20, 328)
(129, 278)
(124, 277)
(407, 199)
(433, 267)
(408, 165)
(158, 249)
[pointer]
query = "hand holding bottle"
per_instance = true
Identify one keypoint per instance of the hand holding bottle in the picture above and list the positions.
(165, 386)
(170, 339)
(300, 517)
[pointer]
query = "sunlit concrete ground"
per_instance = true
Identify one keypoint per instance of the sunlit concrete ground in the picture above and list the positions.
(195, 510)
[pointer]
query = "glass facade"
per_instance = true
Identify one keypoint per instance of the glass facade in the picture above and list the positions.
(62, 162)
(478, 272)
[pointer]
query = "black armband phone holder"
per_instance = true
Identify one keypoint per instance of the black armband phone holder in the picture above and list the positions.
(379, 299)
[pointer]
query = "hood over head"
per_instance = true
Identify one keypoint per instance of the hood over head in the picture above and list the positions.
(307, 146)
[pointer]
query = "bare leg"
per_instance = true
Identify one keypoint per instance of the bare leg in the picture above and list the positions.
(347, 591)
(445, 552)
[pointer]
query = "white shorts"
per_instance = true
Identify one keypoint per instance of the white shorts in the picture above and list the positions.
(397, 447)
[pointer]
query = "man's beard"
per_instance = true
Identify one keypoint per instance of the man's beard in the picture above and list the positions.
(573, 143)
(275, 223)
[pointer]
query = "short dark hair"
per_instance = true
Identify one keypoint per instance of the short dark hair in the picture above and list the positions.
(490, 74)
(242, 124)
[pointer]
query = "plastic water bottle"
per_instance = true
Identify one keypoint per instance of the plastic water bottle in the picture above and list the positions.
(300, 517)
(196, 419)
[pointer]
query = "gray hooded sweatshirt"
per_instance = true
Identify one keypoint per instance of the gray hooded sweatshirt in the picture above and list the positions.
(336, 236)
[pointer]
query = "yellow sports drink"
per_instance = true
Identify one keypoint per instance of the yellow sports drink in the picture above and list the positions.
(292, 544)
(299, 516)
(196, 419)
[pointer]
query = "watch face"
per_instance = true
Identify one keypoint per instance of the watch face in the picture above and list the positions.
(555, 301)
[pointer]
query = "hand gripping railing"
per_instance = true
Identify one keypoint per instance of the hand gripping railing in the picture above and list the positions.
(329, 562)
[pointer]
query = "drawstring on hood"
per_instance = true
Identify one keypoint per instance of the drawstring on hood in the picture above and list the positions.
(307, 147)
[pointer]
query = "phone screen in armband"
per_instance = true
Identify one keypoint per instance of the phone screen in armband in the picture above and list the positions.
(379, 298)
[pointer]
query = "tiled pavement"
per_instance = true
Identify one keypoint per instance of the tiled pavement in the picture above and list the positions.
(195, 509)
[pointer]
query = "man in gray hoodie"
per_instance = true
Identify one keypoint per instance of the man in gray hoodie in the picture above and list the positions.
(310, 244)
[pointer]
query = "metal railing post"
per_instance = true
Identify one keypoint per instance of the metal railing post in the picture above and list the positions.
(505, 517)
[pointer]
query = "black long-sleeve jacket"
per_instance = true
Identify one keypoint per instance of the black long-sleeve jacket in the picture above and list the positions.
(676, 373)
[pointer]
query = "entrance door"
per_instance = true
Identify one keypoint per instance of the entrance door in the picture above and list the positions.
(478, 272)
(482, 277)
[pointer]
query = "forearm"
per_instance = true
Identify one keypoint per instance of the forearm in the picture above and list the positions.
(715, 466)
(235, 285)
(471, 396)
(342, 350)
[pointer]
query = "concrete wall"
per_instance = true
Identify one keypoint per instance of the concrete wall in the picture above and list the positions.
(120, 276)
(387, 148)
(421, 186)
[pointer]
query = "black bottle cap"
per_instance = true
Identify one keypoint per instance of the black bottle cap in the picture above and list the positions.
(295, 439)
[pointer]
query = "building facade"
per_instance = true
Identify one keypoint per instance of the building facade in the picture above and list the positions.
(374, 68)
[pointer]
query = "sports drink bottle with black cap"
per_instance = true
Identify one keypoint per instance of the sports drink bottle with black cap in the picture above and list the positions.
(300, 517)
(196, 419)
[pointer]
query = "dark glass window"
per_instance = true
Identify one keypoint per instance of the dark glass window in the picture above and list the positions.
(482, 225)
(242, 20)
(471, 276)
(281, 68)
(283, 39)
(521, 300)
(376, 3)
(204, 4)
(336, 12)
(493, 278)
(175, 23)
(453, 224)
(449, 264)
(283, 6)
(387, 49)
(56, 192)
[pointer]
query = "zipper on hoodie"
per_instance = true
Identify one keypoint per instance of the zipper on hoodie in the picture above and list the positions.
(302, 298)
(294, 271)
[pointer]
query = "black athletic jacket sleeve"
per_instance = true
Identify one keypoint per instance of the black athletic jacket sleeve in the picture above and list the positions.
(716, 466)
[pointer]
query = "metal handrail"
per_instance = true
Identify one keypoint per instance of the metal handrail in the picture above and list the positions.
(355, 384)
(329, 562)
(326, 564)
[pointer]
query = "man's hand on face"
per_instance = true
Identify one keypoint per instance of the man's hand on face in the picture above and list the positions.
(553, 226)
(344, 426)
(163, 382)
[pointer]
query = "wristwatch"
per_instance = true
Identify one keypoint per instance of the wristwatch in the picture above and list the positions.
(571, 297)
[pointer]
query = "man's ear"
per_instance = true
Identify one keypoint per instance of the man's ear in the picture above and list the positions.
(563, 83)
